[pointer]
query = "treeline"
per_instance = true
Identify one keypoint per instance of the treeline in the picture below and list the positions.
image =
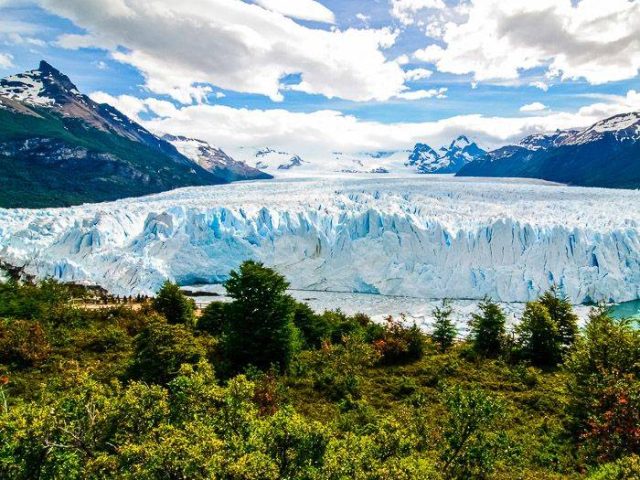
(263, 387)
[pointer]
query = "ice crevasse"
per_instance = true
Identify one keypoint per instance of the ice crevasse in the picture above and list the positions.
(423, 237)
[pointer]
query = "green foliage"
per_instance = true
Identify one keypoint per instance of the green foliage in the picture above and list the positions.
(399, 344)
(212, 319)
(561, 312)
(121, 393)
(336, 369)
(605, 374)
(259, 329)
(538, 336)
(627, 468)
(444, 331)
(46, 300)
(23, 342)
(160, 349)
(471, 447)
(176, 307)
(488, 329)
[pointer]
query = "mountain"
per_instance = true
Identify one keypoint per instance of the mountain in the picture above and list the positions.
(58, 147)
(273, 160)
(215, 160)
(447, 159)
(607, 154)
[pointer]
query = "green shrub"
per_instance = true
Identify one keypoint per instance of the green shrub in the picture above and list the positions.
(23, 342)
(160, 350)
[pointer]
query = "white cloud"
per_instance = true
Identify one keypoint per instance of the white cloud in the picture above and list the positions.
(417, 74)
(420, 94)
(363, 18)
(540, 85)
(6, 61)
(590, 39)
(533, 107)
(405, 10)
(181, 46)
(318, 133)
(220, 95)
(301, 9)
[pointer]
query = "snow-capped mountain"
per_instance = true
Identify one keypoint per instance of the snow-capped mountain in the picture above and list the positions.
(447, 159)
(272, 160)
(58, 147)
(48, 88)
(607, 154)
(214, 160)
(420, 236)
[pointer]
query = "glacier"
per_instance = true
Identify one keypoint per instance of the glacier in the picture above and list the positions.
(429, 237)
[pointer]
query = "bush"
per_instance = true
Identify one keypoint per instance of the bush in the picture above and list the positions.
(23, 342)
(471, 447)
(176, 307)
(160, 349)
(399, 344)
(336, 370)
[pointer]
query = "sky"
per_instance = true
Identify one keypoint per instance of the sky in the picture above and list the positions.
(316, 76)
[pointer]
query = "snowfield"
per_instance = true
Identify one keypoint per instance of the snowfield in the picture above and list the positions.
(429, 237)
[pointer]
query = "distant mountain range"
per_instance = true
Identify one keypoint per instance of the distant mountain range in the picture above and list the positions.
(607, 154)
(449, 159)
(58, 147)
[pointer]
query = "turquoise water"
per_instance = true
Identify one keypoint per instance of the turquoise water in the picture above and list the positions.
(627, 310)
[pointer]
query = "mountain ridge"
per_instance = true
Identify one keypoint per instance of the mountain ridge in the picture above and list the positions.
(58, 147)
(605, 154)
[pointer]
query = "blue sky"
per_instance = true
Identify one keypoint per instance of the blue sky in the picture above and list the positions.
(263, 69)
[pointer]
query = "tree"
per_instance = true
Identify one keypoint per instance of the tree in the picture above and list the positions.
(604, 386)
(445, 331)
(213, 318)
(259, 330)
(538, 337)
(174, 305)
(160, 349)
(561, 312)
(488, 329)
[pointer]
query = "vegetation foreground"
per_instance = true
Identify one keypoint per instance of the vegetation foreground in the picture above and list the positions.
(264, 388)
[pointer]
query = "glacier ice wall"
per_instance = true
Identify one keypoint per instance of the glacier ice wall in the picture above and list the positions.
(424, 237)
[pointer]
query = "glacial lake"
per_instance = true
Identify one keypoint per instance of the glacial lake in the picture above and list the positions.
(378, 307)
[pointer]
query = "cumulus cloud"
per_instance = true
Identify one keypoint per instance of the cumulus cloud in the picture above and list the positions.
(417, 74)
(405, 10)
(301, 9)
(182, 46)
(318, 133)
(590, 39)
(533, 107)
(6, 60)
